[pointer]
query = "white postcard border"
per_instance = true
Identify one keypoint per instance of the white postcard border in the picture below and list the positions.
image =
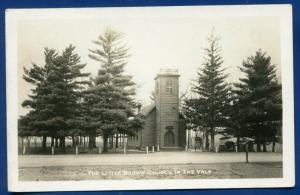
(282, 11)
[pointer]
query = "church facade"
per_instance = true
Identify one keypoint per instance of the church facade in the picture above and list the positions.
(164, 127)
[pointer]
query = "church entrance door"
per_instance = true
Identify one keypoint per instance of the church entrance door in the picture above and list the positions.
(169, 140)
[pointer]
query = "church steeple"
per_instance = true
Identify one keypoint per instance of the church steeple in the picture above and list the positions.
(167, 106)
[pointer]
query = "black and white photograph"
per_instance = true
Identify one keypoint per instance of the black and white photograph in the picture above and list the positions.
(150, 98)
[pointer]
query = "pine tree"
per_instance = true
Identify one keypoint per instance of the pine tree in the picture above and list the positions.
(25, 129)
(235, 125)
(39, 110)
(212, 92)
(110, 102)
(259, 94)
(54, 102)
(69, 83)
(190, 108)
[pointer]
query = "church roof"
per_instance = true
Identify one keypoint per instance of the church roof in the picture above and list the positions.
(167, 72)
(147, 109)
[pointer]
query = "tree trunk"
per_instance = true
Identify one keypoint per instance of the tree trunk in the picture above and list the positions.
(56, 142)
(203, 141)
(188, 139)
(44, 142)
(258, 149)
(73, 141)
(238, 143)
(52, 141)
(77, 140)
(121, 140)
(28, 142)
(117, 140)
(111, 143)
(62, 144)
(35, 142)
(105, 138)
(250, 147)
(264, 147)
(206, 140)
(92, 141)
(80, 140)
(273, 146)
(212, 139)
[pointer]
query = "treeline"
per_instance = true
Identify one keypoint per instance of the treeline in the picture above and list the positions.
(249, 110)
(67, 102)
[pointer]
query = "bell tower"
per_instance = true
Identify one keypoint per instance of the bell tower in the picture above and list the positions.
(167, 108)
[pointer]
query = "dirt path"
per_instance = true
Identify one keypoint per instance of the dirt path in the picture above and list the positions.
(144, 159)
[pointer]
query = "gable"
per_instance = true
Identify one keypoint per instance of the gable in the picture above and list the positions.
(145, 111)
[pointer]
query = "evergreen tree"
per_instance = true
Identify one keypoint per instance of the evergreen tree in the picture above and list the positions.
(259, 95)
(24, 127)
(39, 110)
(110, 103)
(190, 109)
(212, 93)
(235, 125)
(54, 100)
(69, 81)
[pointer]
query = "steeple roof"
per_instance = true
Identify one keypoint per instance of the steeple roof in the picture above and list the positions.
(168, 72)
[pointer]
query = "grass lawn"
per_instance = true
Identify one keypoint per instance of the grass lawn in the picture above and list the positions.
(174, 171)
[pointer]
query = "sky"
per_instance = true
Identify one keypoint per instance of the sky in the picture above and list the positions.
(156, 41)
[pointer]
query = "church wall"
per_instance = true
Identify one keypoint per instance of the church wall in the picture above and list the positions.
(182, 132)
(148, 133)
(145, 136)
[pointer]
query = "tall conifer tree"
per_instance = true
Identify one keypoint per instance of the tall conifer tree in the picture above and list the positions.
(40, 111)
(212, 92)
(259, 94)
(54, 102)
(112, 108)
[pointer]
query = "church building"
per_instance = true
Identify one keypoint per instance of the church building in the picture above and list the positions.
(164, 126)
